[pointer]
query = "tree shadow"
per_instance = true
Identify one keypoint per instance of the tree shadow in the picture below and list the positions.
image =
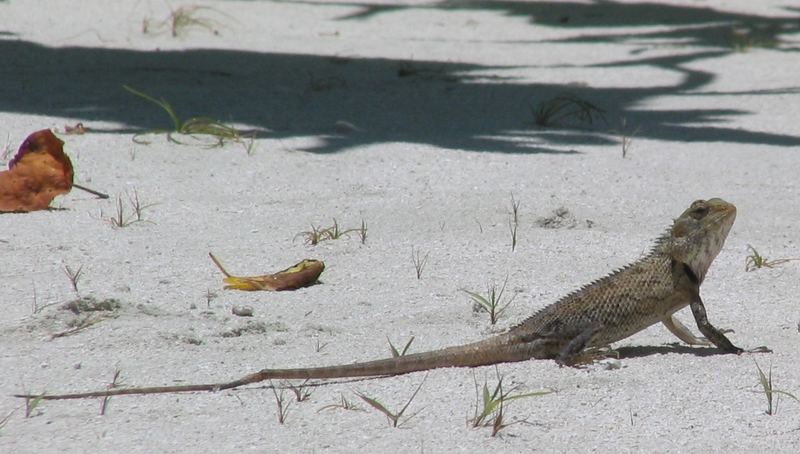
(343, 103)
(689, 25)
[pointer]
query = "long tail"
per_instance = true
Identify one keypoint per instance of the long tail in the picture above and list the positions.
(482, 353)
(490, 351)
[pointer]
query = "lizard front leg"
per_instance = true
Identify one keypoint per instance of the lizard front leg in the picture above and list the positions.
(709, 331)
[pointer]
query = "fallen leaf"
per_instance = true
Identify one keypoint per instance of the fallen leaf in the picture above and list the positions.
(39, 172)
(78, 129)
(299, 275)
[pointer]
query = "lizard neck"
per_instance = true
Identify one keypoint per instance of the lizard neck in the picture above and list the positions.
(695, 244)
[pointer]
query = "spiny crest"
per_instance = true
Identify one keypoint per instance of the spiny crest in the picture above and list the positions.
(663, 241)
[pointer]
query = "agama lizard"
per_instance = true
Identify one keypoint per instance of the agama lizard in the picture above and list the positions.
(607, 310)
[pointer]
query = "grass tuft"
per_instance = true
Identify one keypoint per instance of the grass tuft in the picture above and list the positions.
(183, 19)
(195, 126)
(343, 404)
(362, 232)
(281, 403)
(626, 137)
(765, 380)
(133, 212)
(74, 276)
(490, 406)
(493, 303)
(31, 403)
(566, 108)
(334, 232)
(301, 392)
(756, 261)
(394, 417)
(419, 261)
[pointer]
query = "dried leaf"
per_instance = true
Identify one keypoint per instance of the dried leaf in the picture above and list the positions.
(300, 275)
(38, 173)
(78, 129)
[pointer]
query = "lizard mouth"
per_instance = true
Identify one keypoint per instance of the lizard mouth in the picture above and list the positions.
(720, 211)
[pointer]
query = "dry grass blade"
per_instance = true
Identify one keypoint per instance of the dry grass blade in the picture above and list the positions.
(513, 221)
(626, 137)
(362, 232)
(74, 276)
(123, 217)
(114, 383)
(312, 237)
(343, 404)
(301, 392)
(78, 326)
(7, 150)
(7, 418)
(31, 403)
(395, 352)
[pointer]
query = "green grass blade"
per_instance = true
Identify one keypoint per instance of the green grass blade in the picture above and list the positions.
(166, 106)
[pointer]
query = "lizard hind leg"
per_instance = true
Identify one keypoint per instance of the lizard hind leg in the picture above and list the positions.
(569, 355)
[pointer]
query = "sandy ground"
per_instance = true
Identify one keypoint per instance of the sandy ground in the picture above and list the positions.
(414, 117)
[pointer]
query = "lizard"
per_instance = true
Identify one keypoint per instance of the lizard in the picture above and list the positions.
(626, 301)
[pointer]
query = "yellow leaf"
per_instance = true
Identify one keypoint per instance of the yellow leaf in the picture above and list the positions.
(296, 276)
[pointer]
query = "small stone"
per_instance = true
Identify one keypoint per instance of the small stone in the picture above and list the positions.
(242, 311)
(610, 363)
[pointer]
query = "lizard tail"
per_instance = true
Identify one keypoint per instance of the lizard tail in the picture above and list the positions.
(482, 353)
(499, 349)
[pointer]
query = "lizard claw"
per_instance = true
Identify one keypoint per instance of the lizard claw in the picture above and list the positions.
(761, 349)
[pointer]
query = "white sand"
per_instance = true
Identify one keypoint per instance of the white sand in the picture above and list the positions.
(431, 165)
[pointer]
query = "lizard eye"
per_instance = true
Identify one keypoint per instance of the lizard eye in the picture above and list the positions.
(699, 211)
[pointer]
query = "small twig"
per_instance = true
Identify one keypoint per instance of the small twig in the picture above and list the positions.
(80, 326)
(99, 195)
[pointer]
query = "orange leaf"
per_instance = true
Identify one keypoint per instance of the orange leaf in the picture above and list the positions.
(38, 173)
(300, 275)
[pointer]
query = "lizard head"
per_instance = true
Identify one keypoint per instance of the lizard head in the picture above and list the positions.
(698, 234)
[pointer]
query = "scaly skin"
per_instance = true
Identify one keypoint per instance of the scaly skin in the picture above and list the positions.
(610, 309)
